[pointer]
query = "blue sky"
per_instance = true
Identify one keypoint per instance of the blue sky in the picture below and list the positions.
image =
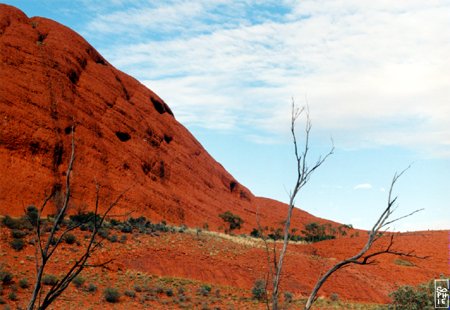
(376, 76)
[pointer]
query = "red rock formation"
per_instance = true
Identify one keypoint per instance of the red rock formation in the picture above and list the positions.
(126, 136)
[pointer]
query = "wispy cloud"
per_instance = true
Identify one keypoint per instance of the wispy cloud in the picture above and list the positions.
(363, 186)
(375, 74)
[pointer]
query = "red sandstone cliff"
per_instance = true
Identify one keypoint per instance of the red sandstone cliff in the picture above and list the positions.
(126, 136)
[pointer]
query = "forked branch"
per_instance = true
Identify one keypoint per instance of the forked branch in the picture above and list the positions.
(363, 258)
(45, 251)
(304, 172)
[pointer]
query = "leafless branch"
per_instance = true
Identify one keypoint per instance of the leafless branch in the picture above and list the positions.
(362, 258)
(304, 173)
(47, 250)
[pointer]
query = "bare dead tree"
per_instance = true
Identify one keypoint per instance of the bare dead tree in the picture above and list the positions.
(304, 172)
(378, 230)
(45, 250)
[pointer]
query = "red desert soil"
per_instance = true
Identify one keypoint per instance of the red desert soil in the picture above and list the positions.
(231, 264)
(128, 137)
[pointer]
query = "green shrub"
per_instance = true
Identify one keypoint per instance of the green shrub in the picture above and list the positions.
(32, 215)
(91, 287)
(288, 297)
(113, 238)
(130, 293)
(234, 221)
(276, 234)
(78, 281)
(104, 233)
(111, 294)
(114, 222)
(17, 244)
(259, 290)
(12, 296)
(12, 223)
(315, 232)
(85, 218)
(139, 223)
(18, 234)
(169, 292)
(413, 298)
(334, 297)
(70, 238)
(204, 290)
(256, 233)
(49, 279)
(160, 227)
(6, 277)
(127, 229)
(23, 283)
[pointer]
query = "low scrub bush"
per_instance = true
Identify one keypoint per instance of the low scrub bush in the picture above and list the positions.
(259, 290)
(49, 279)
(23, 283)
(12, 296)
(130, 293)
(256, 233)
(169, 292)
(334, 297)
(78, 281)
(18, 234)
(70, 238)
(12, 223)
(111, 294)
(315, 232)
(104, 233)
(17, 244)
(204, 290)
(85, 218)
(288, 297)
(91, 287)
(413, 298)
(113, 238)
(233, 220)
(6, 276)
(127, 229)
(32, 215)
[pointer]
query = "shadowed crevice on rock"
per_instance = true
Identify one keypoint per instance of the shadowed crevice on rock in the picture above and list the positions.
(123, 136)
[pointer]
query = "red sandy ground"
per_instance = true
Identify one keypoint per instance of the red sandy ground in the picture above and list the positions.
(233, 267)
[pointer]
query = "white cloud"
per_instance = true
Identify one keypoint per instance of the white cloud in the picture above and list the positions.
(375, 73)
(363, 186)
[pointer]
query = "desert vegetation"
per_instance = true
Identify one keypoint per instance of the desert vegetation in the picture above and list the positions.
(138, 289)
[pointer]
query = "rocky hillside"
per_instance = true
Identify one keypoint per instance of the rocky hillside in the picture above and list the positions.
(126, 136)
